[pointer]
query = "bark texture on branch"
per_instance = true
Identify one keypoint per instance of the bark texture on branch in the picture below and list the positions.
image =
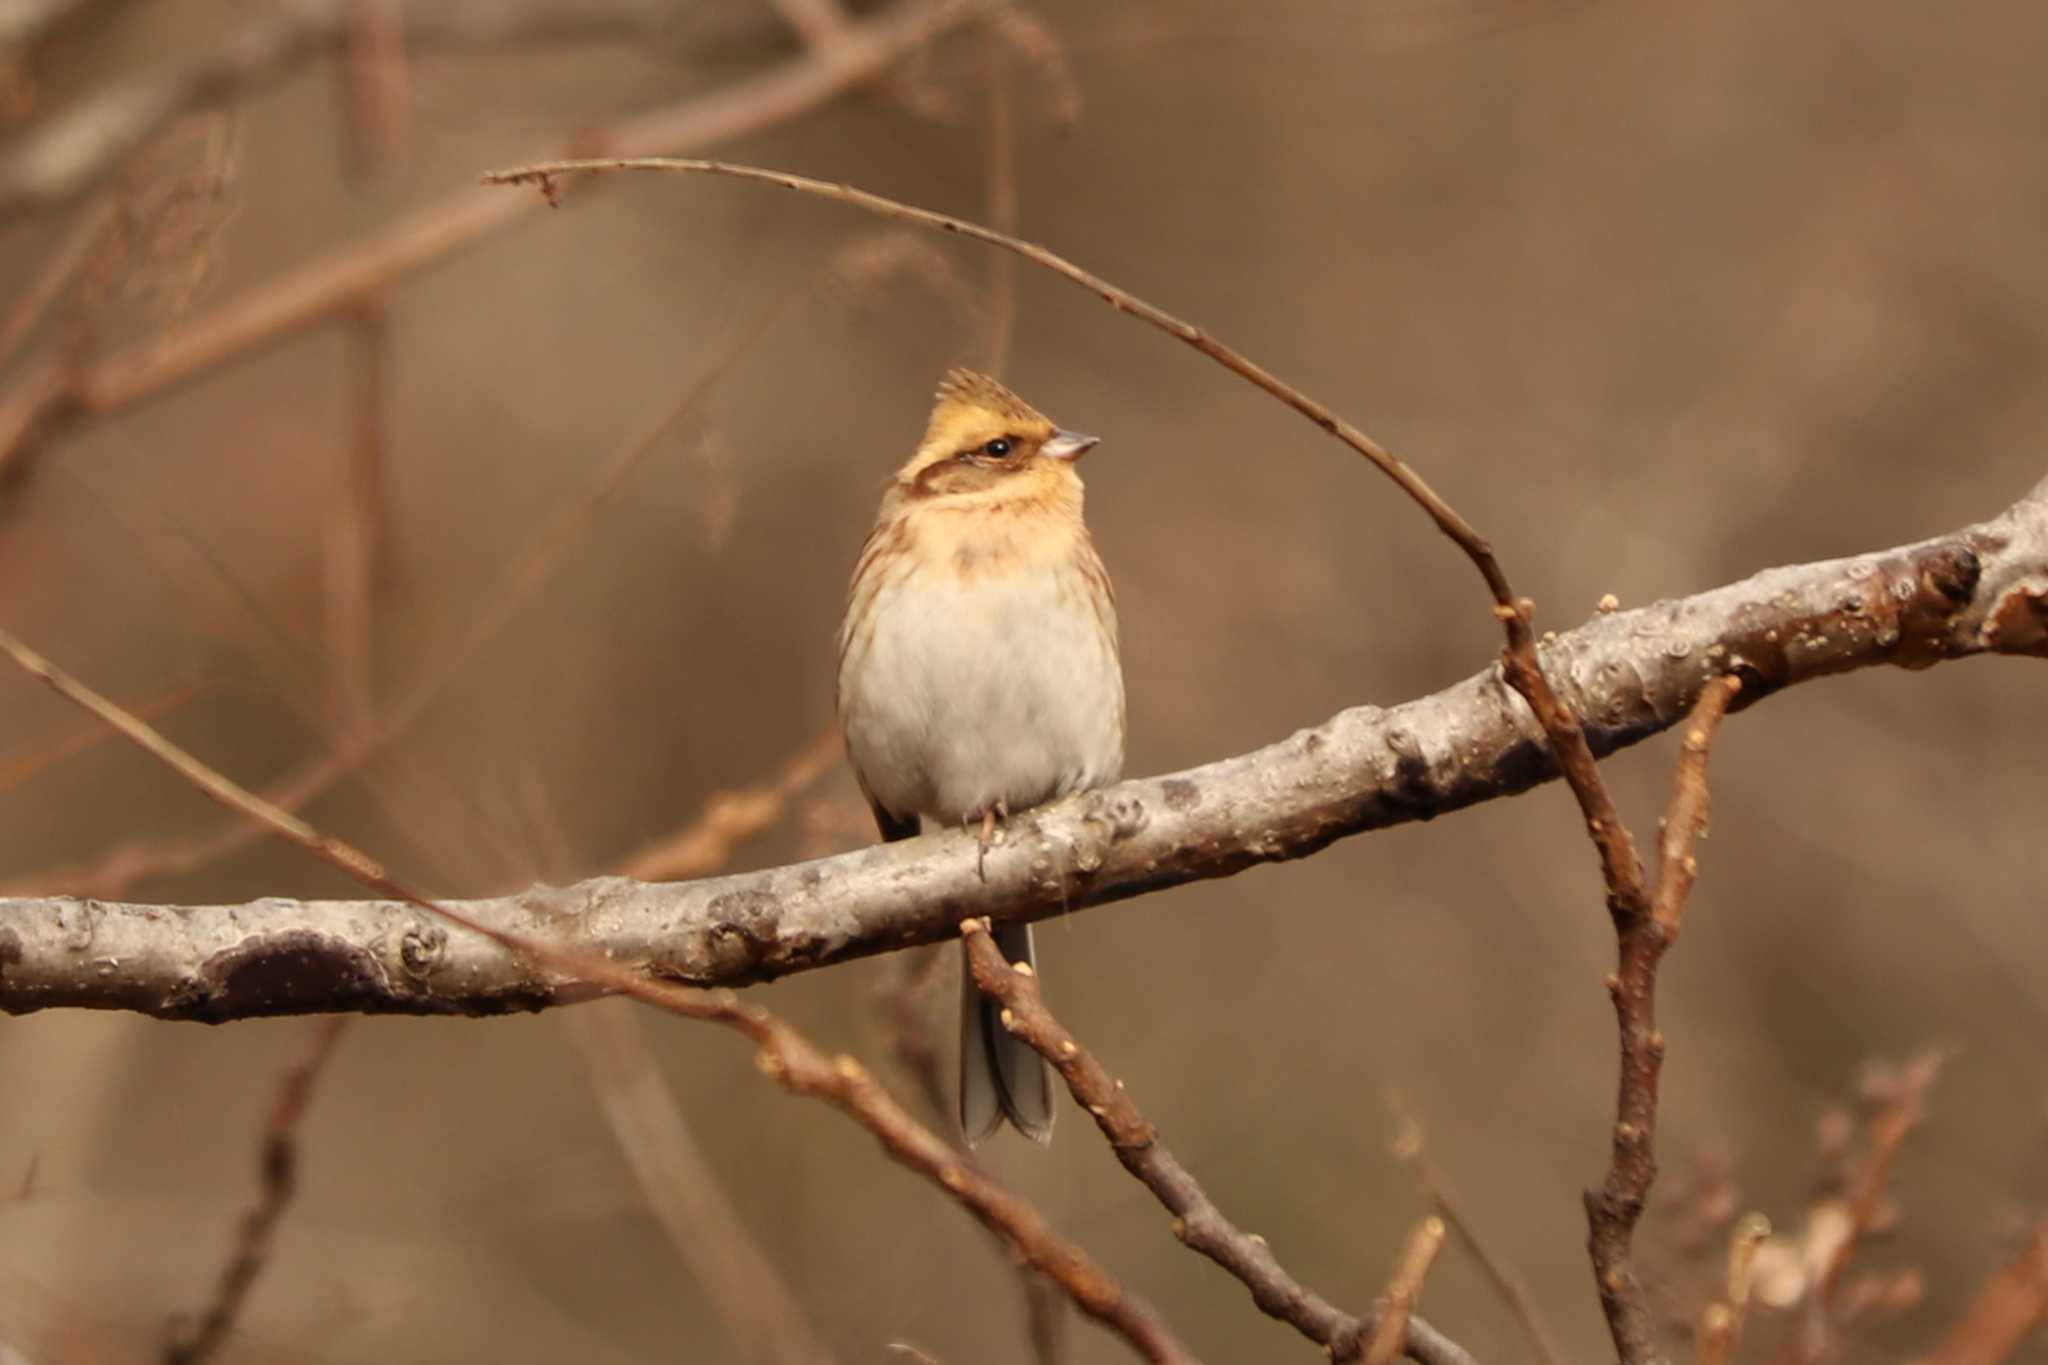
(1983, 589)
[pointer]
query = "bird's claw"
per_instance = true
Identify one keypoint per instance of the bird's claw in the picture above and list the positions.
(989, 819)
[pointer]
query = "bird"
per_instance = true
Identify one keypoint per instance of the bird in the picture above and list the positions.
(980, 673)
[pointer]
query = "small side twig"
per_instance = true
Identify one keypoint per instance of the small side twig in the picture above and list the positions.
(191, 1344)
(1646, 922)
(1197, 1221)
(783, 1054)
(1398, 1303)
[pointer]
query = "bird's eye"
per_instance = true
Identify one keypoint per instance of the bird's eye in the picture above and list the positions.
(999, 447)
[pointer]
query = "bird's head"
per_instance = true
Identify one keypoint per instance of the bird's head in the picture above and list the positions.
(985, 446)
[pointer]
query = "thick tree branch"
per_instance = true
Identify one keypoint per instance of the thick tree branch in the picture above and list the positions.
(1983, 589)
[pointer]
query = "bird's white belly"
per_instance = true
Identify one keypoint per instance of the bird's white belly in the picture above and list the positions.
(978, 690)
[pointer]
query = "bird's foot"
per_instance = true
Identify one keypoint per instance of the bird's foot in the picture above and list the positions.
(989, 820)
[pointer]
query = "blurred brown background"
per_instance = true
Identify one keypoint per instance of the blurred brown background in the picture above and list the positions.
(1656, 296)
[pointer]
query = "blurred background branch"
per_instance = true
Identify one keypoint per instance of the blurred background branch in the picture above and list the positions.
(66, 384)
(73, 149)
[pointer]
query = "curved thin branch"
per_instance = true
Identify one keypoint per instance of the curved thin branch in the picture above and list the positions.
(547, 175)
(1983, 589)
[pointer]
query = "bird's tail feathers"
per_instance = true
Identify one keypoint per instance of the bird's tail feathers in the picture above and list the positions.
(1000, 1076)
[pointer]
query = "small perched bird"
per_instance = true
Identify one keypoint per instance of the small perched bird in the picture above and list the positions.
(978, 669)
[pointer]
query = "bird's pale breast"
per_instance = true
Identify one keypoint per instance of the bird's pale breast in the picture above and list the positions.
(967, 687)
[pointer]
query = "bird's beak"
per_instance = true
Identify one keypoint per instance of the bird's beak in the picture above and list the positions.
(1068, 445)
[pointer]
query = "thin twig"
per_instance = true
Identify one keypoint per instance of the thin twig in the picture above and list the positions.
(783, 1054)
(1398, 1303)
(279, 1165)
(1137, 1144)
(1646, 927)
